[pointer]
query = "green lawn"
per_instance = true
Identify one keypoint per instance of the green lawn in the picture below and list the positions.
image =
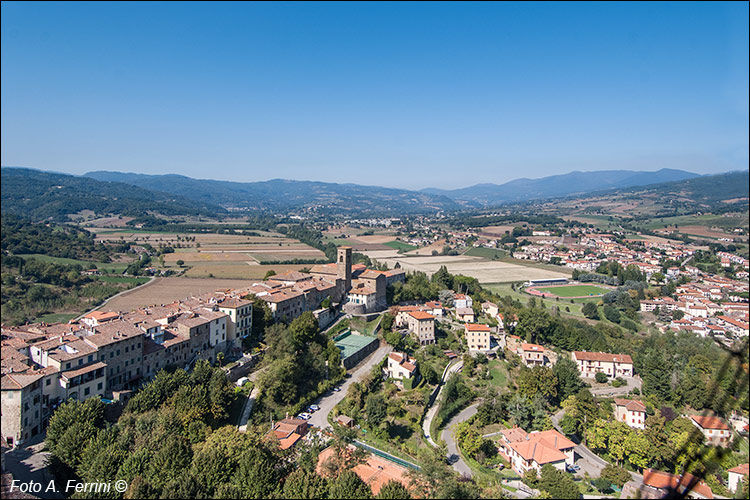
(574, 290)
(487, 253)
(574, 305)
(400, 245)
(499, 373)
(56, 317)
(123, 279)
(366, 328)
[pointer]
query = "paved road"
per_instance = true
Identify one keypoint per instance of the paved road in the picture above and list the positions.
(27, 463)
(450, 439)
(326, 403)
(631, 383)
(427, 423)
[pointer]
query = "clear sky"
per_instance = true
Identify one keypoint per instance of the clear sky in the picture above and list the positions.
(405, 95)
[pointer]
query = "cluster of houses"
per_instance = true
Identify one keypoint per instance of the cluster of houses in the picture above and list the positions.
(708, 308)
(110, 353)
(594, 248)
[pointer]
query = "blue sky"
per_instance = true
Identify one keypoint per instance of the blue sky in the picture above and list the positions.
(408, 95)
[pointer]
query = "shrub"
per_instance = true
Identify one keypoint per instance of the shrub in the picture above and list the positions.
(600, 377)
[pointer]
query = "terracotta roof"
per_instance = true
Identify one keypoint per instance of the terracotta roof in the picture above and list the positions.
(233, 303)
(630, 404)
(553, 439)
(18, 381)
(421, 315)
(514, 435)
(74, 373)
(477, 327)
(291, 276)
(743, 469)
(289, 441)
(709, 422)
(370, 274)
(537, 451)
(376, 471)
(603, 356)
(101, 316)
(666, 481)
(532, 347)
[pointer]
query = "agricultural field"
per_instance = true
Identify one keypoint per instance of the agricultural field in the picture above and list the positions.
(165, 290)
(237, 270)
(487, 253)
(486, 271)
(109, 222)
(400, 245)
(359, 241)
(497, 230)
(719, 221)
(569, 291)
(436, 246)
(223, 255)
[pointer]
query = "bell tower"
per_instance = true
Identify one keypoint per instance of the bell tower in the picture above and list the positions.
(344, 266)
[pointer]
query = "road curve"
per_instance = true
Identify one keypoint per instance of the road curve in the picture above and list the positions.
(432, 411)
(449, 437)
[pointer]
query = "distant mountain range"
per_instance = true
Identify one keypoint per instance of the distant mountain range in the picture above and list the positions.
(559, 185)
(280, 194)
(49, 195)
(283, 195)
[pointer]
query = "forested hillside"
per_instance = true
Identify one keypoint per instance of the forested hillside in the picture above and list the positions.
(50, 196)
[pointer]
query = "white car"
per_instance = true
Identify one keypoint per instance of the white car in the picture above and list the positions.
(304, 416)
(313, 408)
(336, 389)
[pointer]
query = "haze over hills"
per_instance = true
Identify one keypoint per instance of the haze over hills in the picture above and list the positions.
(560, 185)
(41, 195)
(266, 194)
(280, 194)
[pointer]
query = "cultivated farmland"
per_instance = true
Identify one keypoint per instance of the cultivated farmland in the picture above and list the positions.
(486, 271)
(211, 255)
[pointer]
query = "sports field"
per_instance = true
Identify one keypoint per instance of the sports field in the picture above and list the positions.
(571, 290)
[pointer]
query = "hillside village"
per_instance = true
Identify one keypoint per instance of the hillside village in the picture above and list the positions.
(110, 355)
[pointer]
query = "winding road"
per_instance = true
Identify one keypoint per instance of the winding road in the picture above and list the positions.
(430, 416)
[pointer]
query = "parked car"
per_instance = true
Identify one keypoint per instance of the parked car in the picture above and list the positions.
(304, 416)
(313, 408)
(336, 389)
(572, 468)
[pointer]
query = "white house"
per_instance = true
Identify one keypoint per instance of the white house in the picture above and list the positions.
(714, 429)
(735, 476)
(631, 412)
(401, 368)
(532, 451)
(612, 365)
(462, 300)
